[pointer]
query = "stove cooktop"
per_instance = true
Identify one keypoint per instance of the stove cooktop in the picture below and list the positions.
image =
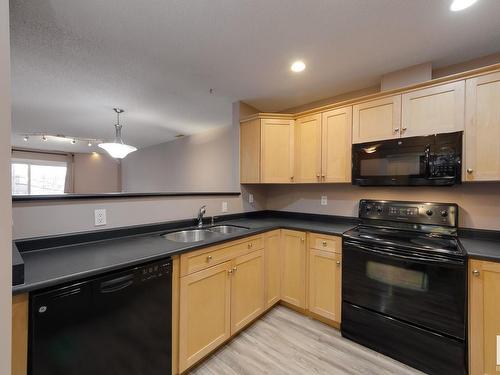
(398, 238)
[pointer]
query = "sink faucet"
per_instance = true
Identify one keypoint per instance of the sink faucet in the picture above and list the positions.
(201, 212)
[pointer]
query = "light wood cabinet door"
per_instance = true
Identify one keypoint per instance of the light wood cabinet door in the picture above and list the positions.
(272, 261)
(325, 284)
(247, 289)
(277, 150)
(482, 129)
(307, 153)
(293, 268)
(336, 129)
(376, 120)
(20, 334)
(250, 152)
(484, 317)
(204, 319)
(437, 109)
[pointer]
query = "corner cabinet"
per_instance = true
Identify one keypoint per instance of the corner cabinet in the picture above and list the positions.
(272, 262)
(293, 268)
(484, 321)
(376, 120)
(482, 128)
(267, 150)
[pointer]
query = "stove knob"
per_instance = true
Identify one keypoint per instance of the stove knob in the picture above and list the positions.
(379, 210)
(429, 212)
(444, 213)
(368, 208)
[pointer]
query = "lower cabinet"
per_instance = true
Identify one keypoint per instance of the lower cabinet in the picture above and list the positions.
(325, 284)
(293, 268)
(272, 264)
(205, 313)
(20, 334)
(247, 289)
(484, 317)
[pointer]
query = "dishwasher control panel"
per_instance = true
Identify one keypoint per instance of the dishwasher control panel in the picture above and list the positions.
(154, 271)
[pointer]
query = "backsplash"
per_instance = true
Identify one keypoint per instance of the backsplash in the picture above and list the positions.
(479, 202)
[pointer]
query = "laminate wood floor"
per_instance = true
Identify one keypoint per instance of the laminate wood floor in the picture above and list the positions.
(285, 342)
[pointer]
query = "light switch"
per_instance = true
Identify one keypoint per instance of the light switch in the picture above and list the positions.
(224, 206)
(250, 198)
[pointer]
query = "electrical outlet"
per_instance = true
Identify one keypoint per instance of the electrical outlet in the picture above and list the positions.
(250, 198)
(324, 200)
(224, 206)
(100, 217)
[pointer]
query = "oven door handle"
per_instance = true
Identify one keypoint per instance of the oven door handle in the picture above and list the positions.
(418, 258)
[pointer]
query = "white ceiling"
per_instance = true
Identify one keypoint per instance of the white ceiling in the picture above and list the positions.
(74, 60)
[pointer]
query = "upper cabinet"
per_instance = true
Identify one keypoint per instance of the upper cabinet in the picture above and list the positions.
(482, 128)
(308, 149)
(437, 109)
(266, 150)
(376, 120)
(336, 128)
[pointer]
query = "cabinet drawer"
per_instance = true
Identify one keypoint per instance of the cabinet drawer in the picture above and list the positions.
(210, 256)
(325, 242)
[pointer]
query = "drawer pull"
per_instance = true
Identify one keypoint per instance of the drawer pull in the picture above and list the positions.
(209, 258)
(338, 263)
(476, 273)
(324, 243)
(250, 245)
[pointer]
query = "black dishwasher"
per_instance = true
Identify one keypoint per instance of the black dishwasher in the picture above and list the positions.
(116, 324)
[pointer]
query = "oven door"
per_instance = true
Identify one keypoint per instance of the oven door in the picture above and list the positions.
(412, 287)
(427, 160)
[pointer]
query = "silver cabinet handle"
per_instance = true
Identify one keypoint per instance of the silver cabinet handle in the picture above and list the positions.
(396, 130)
(470, 170)
(235, 269)
(404, 129)
(230, 272)
(476, 273)
(338, 262)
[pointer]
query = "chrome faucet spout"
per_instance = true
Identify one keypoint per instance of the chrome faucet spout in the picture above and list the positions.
(201, 212)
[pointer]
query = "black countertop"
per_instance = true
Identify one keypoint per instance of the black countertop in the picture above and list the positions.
(481, 244)
(58, 265)
(65, 262)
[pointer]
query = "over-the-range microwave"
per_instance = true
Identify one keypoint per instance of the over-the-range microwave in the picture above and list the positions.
(418, 161)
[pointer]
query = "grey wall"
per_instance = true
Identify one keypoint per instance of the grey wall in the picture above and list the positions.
(96, 173)
(479, 202)
(200, 162)
(5, 201)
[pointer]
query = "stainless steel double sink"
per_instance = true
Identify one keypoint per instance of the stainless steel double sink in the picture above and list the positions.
(196, 235)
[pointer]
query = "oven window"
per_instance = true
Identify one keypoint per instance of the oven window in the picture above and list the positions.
(397, 276)
(392, 165)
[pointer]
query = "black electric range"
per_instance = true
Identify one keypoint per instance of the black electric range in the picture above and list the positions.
(404, 283)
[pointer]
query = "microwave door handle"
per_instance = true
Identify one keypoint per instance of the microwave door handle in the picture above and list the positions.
(427, 158)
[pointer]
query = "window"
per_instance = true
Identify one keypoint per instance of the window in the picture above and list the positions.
(37, 177)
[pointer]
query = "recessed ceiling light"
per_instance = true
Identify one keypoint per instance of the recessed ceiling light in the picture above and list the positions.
(458, 5)
(298, 66)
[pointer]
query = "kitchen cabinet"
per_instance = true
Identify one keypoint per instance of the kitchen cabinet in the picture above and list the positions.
(293, 268)
(325, 284)
(272, 257)
(482, 128)
(308, 149)
(205, 313)
(436, 109)
(377, 119)
(250, 151)
(336, 140)
(267, 150)
(20, 334)
(247, 289)
(484, 313)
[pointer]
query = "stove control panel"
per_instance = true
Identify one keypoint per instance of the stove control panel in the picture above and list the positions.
(444, 214)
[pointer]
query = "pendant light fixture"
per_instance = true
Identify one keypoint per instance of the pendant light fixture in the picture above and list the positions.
(117, 149)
